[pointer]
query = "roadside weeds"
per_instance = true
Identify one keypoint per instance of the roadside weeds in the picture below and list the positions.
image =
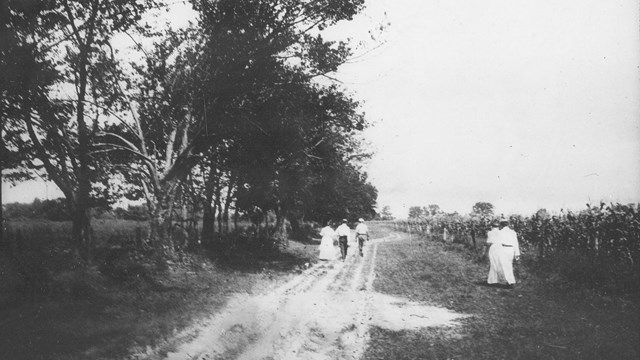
(108, 319)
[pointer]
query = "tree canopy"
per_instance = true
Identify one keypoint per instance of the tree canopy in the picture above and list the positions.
(226, 115)
(482, 209)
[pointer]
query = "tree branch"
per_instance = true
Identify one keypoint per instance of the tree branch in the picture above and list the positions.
(58, 179)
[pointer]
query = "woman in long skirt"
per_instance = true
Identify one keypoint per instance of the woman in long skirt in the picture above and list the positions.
(510, 251)
(494, 251)
(327, 250)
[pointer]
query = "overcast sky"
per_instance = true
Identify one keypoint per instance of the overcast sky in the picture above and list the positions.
(522, 103)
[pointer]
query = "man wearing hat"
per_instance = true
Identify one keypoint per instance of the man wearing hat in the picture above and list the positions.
(362, 234)
(343, 232)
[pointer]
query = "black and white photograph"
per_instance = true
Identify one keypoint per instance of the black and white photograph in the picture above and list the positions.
(320, 179)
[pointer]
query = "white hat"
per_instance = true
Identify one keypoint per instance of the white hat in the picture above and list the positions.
(361, 220)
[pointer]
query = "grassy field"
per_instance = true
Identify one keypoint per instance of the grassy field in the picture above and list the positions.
(542, 318)
(98, 314)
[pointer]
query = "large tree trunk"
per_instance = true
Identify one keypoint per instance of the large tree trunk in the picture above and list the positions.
(208, 223)
(82, 234)
(160, 232)
(219, 214)
(295, 228)
(236, 217)
(227, 203)
(208, 217)
(81, 218)
(280, 231)
(82, 221)
(218, 205)
(160, 209)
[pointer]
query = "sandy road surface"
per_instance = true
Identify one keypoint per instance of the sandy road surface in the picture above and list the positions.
(324, 313)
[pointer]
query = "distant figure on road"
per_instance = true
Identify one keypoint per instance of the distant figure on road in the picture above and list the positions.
(362, 234)
(343, 232)
(327, 250)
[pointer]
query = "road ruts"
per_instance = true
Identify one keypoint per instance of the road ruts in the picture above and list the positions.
(321, 314)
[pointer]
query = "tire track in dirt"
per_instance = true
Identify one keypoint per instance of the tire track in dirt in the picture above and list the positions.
(317, 339)
(324, 313)
(321, 314)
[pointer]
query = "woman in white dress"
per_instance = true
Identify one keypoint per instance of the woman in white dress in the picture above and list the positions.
(327, 250)
(494, 252)
(510, 251)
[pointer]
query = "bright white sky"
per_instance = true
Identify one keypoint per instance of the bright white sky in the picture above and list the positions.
(521, 103)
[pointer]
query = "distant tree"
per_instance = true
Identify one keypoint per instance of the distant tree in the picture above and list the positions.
(55, 210)
(433, 209)
(482, 209)
(385, 213)
(542, 214)
(416, 212)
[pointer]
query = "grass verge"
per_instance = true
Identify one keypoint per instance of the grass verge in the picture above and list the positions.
(539, 319)
(92, 316)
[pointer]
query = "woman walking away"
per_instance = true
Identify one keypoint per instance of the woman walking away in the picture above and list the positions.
(510, 251)
(493, 248)
(327, 250)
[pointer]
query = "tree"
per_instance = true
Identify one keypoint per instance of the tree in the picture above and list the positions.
(433, 210)
(542, 214)
(385, 213)
(54, 48)
(240, 80)
(416, 212)
(303, 156)
(482, 209)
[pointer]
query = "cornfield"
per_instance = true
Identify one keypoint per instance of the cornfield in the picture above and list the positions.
(608, 232)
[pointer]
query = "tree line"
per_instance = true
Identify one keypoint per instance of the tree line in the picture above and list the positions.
(235, 114)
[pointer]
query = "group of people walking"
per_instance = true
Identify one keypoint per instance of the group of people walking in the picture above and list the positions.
(502, 248)
(342, 233)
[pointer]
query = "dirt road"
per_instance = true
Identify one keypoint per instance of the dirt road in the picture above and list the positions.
(324, 313)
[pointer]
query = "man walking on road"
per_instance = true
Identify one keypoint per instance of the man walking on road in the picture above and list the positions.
(362, 234)
(343, 232)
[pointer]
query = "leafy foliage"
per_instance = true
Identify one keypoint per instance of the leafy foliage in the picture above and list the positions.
(61, 78)
(224, 115)
(482, 209)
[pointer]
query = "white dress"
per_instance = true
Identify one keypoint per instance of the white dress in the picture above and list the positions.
(510, 249)
(327, 250)
(496, 272)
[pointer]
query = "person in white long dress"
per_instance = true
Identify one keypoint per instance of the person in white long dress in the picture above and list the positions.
(494, 252)
(510, 251)
(327, 250)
